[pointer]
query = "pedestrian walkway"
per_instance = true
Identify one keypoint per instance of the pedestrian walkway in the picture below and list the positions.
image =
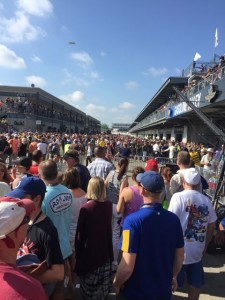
(214, 288)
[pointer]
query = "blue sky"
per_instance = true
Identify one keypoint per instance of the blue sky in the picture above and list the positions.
(124, 51)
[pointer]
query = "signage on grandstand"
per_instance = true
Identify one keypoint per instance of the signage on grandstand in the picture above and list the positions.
(183, 107)
(38, 122)
(18, 122)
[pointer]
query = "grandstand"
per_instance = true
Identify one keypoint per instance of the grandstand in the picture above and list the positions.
(167, 116)
(31, 108)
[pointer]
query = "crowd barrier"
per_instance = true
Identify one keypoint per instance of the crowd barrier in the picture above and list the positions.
(137, 161)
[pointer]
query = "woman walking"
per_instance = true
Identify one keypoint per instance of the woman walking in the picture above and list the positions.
(115, 182)
(93, 243)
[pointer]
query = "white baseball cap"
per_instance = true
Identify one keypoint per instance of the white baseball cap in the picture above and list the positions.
(191, 176)
(12, 213)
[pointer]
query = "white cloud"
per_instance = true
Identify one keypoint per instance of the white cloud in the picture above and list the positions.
(126, 105)
(95, 110)
(156, 72)
(19, 29)
(114, 109)
(36, 80)
(70, 78)
(38, 8)
(94, 75)
(83, 58)
(9, 59)
(131, 85)
(36, 58)
(73, 98)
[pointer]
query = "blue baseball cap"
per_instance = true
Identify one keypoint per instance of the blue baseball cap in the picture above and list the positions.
(151, 181)
(29, 186)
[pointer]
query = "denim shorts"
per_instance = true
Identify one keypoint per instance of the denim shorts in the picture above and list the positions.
(195, 275)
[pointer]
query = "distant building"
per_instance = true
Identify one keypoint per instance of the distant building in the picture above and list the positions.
(31, 108)
(121, 128)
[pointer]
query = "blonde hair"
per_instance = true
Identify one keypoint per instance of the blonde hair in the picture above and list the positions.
(96, 189)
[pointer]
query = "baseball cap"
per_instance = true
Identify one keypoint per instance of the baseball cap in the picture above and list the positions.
(210, 150)
(23, 161)
(191, 176)
(12, 213)
(29, 186)
(151, 181)
(152, 165)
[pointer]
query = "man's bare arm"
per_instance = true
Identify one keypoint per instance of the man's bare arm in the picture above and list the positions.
(124, 271)
(177, 265)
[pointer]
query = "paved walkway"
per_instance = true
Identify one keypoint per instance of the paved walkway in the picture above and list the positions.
(214, 288)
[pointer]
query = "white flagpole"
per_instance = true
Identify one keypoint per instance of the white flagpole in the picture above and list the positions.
(216, 44)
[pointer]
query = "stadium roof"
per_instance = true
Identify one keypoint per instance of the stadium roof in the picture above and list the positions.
(161, 96)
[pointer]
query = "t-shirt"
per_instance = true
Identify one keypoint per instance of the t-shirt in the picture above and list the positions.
(43, 147)
(34, 170)
(223, 223)
(16, 284)
(84, 176)
(195, 212)
(113, 188)
(57, 205)
(100, 167)
(153, 234)
(42, 240)
(77, 204)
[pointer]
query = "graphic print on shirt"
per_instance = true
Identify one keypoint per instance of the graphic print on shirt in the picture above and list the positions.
(27, 247)
(197, 222)
(61, 202)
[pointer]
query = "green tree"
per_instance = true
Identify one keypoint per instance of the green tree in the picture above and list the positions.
(104, 127)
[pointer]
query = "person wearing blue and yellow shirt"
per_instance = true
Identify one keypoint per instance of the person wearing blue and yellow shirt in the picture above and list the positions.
(152, 245)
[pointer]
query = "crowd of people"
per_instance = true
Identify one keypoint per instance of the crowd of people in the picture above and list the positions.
(66, 221)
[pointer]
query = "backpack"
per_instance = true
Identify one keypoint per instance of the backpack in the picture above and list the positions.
(54, 149)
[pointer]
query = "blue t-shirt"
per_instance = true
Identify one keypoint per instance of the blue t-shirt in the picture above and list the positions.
(223, 223)
(57, 205)
(153, 234)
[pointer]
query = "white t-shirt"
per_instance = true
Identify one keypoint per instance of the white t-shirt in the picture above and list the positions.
(155, 147)
(43, 147)
(195, 212)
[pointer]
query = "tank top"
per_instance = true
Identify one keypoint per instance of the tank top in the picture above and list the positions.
(134, 204)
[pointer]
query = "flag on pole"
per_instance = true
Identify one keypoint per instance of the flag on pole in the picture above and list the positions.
(216, 38)
(197, 56)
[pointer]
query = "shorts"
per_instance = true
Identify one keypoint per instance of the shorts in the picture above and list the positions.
(195, 275)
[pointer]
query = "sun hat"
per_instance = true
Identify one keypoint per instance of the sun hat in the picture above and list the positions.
(191, 176)
(151, 181)
(12, 213)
